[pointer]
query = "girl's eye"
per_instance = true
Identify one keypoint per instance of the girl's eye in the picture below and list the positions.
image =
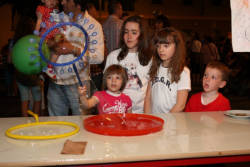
(108, 77)
(118, 77)
(166, 45)
(126, 31)
(213, 77)
(134, 32)
(158, 46)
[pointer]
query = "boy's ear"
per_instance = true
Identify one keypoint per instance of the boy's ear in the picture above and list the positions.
(222, 84)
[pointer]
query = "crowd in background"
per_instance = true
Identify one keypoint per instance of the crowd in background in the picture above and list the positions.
(222, 45)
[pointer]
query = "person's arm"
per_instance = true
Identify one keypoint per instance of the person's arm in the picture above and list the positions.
(61, 46)
(182, 96)
(38, 23)
(96, 50)
(65, 47)
(147, 100)
(86, 103)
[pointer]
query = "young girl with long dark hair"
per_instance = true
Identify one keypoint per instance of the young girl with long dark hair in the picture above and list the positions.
(169, 77)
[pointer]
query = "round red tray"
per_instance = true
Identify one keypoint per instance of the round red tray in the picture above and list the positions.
(123, 124)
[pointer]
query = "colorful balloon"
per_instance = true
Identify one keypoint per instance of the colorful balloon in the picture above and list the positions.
(26, 57)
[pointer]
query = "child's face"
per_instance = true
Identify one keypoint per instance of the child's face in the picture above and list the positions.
(212, 80)
(50, 3)
(166, 51)
(131, 36)
(114, 82)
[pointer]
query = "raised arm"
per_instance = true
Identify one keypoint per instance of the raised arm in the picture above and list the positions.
(84, 102)
(38, 22)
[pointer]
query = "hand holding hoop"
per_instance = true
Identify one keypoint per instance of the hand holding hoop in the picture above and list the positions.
(65, 47)
(85, 46)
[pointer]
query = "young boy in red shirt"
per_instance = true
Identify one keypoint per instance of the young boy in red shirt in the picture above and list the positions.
(215, 77)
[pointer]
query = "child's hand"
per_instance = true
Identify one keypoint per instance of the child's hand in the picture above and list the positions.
(82, 90)
(65, 47)
(55, 40)
(59, 37)
(54, 57)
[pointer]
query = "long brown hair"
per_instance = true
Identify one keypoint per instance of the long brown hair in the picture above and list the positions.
(143, 48)
(177, 62)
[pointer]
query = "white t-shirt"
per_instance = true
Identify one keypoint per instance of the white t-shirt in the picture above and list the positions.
(164, 93)
(137, 77)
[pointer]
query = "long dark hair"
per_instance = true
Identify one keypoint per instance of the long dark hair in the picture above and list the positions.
(177, 62)
(143, 48)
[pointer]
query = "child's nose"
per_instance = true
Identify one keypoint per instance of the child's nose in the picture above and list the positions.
(207, 78)
(129, 35)
(160, 48)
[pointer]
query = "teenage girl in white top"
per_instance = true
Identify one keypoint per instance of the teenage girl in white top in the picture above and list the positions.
(133, 55)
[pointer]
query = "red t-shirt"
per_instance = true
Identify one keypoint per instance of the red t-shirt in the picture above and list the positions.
(194, 104)
(46, 19)
(112, 104)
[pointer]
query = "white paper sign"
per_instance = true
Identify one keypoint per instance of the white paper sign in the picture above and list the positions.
(240, 11)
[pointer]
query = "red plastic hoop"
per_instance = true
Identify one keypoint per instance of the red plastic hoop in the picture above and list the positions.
(123, 125)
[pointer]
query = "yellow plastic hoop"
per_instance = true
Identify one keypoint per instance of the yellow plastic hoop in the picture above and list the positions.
(9, 131)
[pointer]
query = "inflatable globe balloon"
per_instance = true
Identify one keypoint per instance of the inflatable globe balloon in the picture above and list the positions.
(25, 55)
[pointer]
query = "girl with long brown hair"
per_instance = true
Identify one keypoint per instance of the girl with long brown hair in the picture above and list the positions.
(169, 77)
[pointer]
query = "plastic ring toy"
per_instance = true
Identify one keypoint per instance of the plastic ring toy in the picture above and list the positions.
(11, 135)
(60, 25)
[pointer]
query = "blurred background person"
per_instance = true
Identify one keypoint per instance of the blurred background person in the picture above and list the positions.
(195, 57)
(209, 52)
(92, 10)
(28, 84)
(161, 21)
(112, 26)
